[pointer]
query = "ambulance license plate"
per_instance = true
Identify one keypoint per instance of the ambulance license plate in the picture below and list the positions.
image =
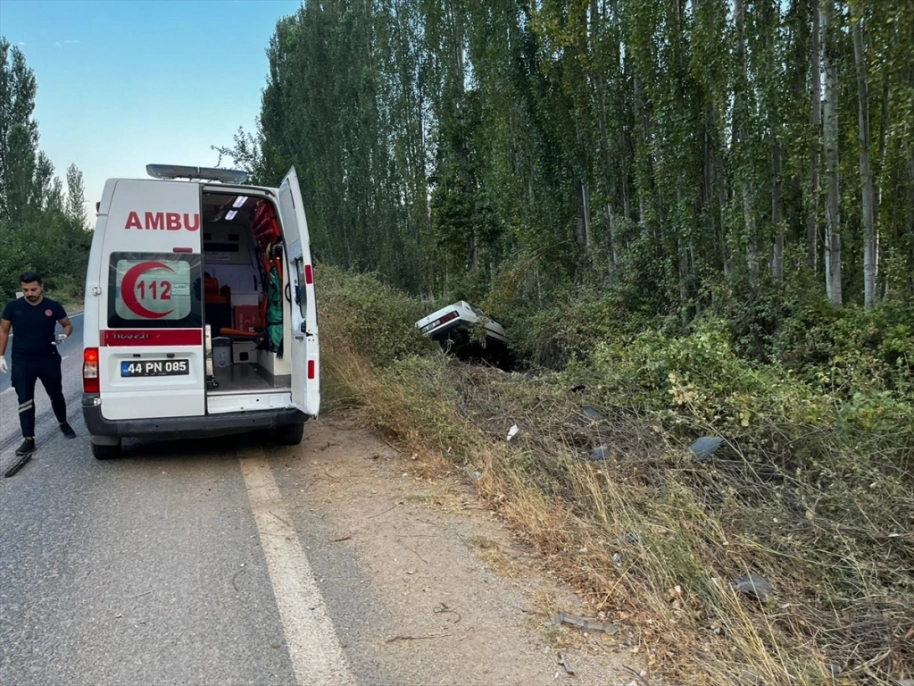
(155, 368)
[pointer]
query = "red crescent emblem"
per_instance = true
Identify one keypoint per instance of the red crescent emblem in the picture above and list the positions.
(128, 289)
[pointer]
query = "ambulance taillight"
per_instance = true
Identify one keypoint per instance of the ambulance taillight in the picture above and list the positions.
(90, 370)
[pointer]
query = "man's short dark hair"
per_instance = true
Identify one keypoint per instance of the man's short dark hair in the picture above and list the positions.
(31, 277)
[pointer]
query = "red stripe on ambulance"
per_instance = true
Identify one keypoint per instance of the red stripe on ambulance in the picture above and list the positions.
(137, 337)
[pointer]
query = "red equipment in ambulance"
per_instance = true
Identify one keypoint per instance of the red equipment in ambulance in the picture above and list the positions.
(200, 316)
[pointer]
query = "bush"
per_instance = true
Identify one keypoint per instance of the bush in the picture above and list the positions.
(700, 376)
(863, 359)
(358, 311)
(55, 247)
(811, 489)
(549, 336)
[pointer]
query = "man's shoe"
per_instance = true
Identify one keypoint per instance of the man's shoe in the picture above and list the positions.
(27, 447)
(67, 430)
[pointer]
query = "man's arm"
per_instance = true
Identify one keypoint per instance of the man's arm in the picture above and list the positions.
(67, 326)
(5, 325)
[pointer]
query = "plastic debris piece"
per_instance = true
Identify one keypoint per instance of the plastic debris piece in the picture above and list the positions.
(627, 539)
(512, 432)
(601, 452)
(584, 623)
(591, 413)
(706, 446)
(754, 586)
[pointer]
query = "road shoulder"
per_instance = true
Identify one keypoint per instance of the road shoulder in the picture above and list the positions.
(464, 602)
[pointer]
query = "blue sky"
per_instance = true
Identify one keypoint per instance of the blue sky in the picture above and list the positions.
(123, 83)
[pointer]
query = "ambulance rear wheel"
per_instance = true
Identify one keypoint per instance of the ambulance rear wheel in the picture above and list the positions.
(290, 434)
(106, 452)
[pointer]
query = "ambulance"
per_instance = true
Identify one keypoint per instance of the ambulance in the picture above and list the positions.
(200, 316)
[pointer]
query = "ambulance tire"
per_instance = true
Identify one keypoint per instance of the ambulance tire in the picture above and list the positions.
(290, 434)
(106, 452)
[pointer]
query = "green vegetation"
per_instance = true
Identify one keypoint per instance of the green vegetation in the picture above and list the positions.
(41, 227)
(677, 155)
(698, 214)
(812, 489)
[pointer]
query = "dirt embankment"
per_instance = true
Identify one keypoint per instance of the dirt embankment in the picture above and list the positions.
(464, 601)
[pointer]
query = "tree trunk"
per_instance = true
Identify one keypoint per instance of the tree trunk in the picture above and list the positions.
(866, 176)
(751, 242)
(531, 186)
(585, 209)
(609, 221)
(777, 215)
(642, 180)
(830, 141)
(740, 143)
(774, 100)
(625, 148)
(815, 121)
(683, 254)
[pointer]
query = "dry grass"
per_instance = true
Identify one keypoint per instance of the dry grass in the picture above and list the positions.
(492, 556)
(839, 558)
(654, 538)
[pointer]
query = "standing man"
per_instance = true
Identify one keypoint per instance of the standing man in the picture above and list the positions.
(34, 319)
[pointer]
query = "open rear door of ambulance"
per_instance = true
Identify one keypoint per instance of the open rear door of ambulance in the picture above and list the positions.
(304, 344)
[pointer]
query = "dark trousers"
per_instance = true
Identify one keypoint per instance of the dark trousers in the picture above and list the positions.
(25, 372)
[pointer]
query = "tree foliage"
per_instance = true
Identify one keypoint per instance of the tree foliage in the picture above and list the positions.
(42, 227)
(675, 150)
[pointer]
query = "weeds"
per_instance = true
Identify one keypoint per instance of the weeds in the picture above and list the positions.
(820, 506)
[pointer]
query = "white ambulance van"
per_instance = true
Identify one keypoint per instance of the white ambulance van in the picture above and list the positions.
(200, 317)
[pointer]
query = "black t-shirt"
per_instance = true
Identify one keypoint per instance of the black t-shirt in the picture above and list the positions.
(33, 326)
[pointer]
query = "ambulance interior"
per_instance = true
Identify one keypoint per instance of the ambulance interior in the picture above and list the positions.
(243, 296)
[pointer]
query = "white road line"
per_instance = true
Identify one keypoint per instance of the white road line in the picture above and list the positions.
(314, 647)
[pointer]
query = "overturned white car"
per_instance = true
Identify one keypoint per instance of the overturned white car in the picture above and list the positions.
(467, 332)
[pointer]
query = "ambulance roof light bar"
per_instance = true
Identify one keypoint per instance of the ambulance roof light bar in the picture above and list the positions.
(177, 171)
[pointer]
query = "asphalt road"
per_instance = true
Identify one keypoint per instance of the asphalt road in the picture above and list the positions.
(177, 564)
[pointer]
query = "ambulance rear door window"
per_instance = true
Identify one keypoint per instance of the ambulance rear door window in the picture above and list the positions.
(154, 290)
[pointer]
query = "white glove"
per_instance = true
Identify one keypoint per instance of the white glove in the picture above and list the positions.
(61, 337)
(3, 367)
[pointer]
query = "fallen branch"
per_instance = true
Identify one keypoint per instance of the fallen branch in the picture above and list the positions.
(392, 447)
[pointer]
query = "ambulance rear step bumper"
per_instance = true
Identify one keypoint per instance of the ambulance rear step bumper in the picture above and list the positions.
(206, 426)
